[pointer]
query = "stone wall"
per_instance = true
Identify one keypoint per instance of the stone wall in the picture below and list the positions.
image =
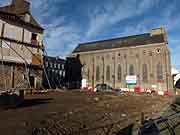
(150, 55)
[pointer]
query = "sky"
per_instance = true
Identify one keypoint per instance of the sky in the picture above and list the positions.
(70, 22)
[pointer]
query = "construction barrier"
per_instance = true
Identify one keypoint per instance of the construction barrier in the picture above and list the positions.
(136, 89)
(88, 88)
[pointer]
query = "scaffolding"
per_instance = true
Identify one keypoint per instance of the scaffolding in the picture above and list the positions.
(26, 80)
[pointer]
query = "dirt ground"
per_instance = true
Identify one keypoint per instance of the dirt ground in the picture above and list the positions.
(81, 113)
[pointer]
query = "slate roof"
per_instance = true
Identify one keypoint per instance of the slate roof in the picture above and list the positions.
(17, 10)
(130, 41)
(56, 59)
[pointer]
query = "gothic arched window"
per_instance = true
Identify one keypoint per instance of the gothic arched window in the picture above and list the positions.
(131, 70)
(145, 73)
(97, 73)
(119, 72)
(159, 72)
(108, 73)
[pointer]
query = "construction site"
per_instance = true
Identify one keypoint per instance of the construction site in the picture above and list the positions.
(87, 113)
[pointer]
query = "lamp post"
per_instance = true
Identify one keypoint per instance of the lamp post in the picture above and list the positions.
(93, 72)
(103, 69)
(114, 76)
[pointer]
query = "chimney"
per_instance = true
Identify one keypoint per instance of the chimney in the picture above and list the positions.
(21, 5)
(158, 31)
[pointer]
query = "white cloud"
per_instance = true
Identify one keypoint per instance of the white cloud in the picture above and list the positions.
(110, 13)
(62, 39)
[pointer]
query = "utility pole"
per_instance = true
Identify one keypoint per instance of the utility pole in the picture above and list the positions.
(103, 69)
(167, 81)
(114, 76)
(93, 72)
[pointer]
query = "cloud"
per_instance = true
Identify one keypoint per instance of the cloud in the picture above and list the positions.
(62, 39)
(174, 45)
(4, 2)
(68, 23)
(110, 13)
(60, 36)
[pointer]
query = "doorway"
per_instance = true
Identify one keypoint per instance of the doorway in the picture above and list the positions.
(32, 80)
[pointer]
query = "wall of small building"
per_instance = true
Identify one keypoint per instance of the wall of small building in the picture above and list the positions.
(150, 55)
(16, 33)
(54, 73)
(13, 76)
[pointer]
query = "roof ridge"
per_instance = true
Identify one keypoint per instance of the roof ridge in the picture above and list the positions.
(111, 39)
(18, 19)
(19, 9)
(127, 41)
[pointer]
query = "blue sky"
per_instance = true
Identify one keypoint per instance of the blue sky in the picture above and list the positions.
(69, 22)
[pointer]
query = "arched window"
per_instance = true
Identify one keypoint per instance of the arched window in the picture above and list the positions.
(145, 73)
(97, 73)
(159, 72)
(131, 70)
(108, 73)
(119, 72)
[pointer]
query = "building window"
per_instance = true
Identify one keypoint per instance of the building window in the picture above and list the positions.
(158, 50)
(63, 74)
(144, 52)
(131, 70)
(58, 66)
(54, 65)
(51, 65)
(60, 73)
(6, 44)
(97, 73)
(119, 72)
(27, 18)
(46, 64)
(145, 73)
(34, 36)
(159, 72)
(150, 53)
(108, 73)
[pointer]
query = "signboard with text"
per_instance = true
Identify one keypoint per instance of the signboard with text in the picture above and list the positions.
(131, 79)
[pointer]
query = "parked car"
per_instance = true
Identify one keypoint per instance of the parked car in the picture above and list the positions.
(105, 88)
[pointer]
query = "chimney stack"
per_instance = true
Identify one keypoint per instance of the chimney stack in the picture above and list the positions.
(21, 5)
